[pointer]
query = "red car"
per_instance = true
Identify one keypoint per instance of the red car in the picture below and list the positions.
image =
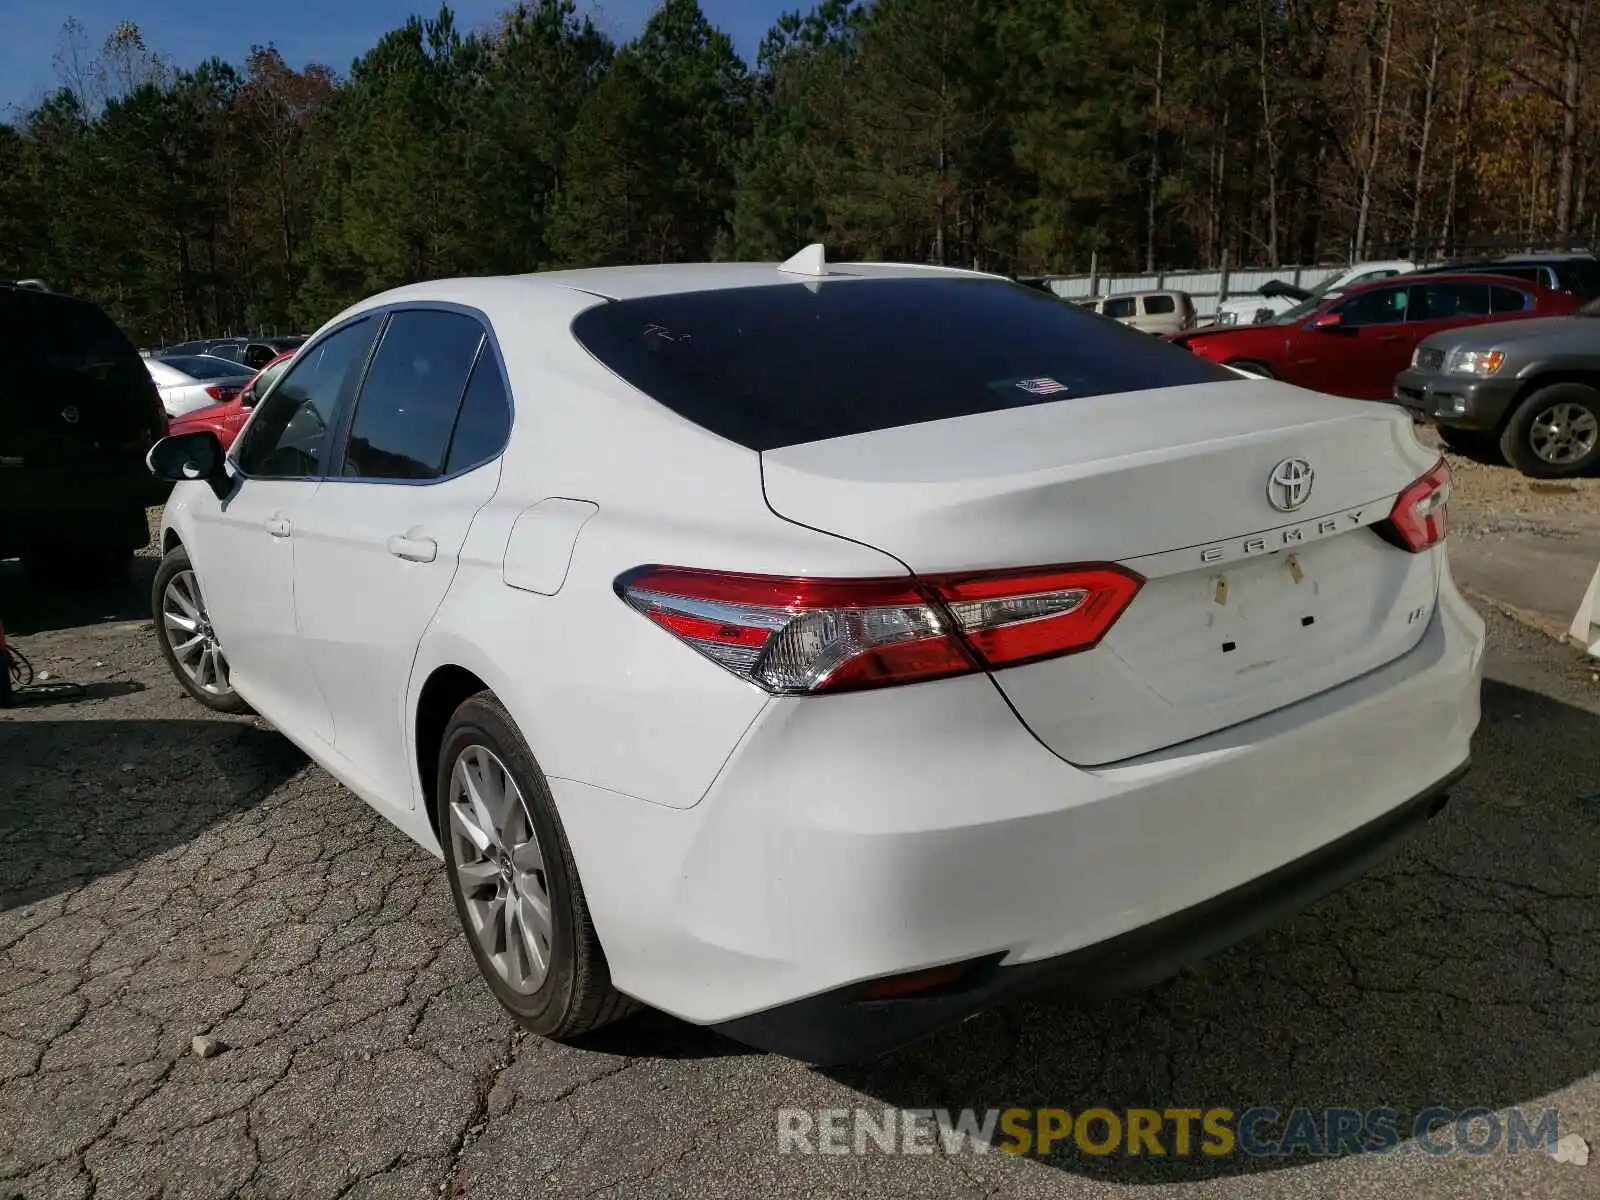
(1355, 343)
(228, 418)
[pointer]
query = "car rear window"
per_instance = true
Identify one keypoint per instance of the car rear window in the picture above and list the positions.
(202, 366)
(1156, 306)
(60, 334)
(793, 363)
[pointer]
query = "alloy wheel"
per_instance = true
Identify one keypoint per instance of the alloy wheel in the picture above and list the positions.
(194, 643)
(1563, 433)
(500, 868)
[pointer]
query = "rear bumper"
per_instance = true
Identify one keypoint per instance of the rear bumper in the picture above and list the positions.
(855, 837)
(847, 1025)
(45, 508)
(1461, 403)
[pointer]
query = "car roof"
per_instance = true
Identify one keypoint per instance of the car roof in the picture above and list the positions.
(1481, 276)
(632, 283)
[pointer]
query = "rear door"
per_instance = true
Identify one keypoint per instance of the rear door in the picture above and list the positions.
(377, 549)
(1435, 307)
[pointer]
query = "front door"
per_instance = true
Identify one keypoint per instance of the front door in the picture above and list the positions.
(1362, 354)
(245, 551)
(376, 553)
(243, 557)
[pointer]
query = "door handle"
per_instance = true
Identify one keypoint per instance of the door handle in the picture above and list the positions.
(278, 526)
(413, 549)
(1391, 337)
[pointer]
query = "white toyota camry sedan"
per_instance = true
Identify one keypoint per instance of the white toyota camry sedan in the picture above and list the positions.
(825, 652)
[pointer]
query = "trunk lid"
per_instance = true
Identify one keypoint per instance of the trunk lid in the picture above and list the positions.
(1246, 607)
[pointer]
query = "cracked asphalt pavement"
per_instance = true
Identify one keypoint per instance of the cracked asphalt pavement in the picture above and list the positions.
(166, 873)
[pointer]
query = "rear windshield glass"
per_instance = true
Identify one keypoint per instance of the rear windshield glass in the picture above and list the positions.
(202, 366)
(59, 334)
(782, 365)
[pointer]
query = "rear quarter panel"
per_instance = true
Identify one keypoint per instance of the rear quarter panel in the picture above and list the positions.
(602, 695)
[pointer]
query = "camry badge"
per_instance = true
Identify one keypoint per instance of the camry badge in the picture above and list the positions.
(1289, 485)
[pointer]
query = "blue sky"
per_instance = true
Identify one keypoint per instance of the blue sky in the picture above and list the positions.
(327, 31)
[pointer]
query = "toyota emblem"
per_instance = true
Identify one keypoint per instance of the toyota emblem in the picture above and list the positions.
(69, 414)
(1289, 485)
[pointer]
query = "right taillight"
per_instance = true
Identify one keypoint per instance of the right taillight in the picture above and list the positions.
(1419, 518)
(792, 635)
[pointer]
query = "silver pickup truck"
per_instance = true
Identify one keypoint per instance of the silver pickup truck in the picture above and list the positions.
(1530, 389)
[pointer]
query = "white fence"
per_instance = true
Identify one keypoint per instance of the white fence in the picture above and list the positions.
(1208, 288)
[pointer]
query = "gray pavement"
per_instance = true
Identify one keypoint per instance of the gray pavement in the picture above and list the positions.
(165, 873)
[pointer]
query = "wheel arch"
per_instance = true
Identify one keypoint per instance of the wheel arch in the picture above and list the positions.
(444, 690)
(1542, 377)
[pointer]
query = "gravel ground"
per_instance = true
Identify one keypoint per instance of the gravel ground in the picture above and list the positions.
(166, 873)
(1490, 495)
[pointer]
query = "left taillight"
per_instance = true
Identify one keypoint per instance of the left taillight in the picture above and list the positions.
(223, 392)
(1420, 517)
(797, 636)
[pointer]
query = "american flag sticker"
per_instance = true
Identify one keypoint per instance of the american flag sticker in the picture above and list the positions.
(1043, 386)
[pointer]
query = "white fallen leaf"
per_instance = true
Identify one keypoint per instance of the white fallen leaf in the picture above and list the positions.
(1571, 1149)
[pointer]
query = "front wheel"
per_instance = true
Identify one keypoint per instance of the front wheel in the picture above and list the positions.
(1555, 432)
(513, 878)
(188, 643)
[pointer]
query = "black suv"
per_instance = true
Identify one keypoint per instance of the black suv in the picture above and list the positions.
(1576, 273)
(78, 412)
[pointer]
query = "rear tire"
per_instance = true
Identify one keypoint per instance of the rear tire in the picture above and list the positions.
(514, 881)
(1555, 432)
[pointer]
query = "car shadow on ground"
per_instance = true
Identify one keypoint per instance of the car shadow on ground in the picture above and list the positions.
(80, 799)
(1458, 974)
(26, 608)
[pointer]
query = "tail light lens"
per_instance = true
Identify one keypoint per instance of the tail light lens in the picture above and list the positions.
(795, 636)
(1419, 518)
(223, 392)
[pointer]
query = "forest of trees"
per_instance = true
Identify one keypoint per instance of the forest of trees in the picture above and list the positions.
(1021, 136)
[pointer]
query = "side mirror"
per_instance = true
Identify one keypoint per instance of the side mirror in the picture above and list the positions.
(187, 456)
(1325, 321)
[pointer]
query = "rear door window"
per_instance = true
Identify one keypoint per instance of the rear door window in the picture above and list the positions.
(1159, 306)
(408, 405)
(1447, 301)
(1507, 300)
(485, 419)
(1527, 274)
(784, 364)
